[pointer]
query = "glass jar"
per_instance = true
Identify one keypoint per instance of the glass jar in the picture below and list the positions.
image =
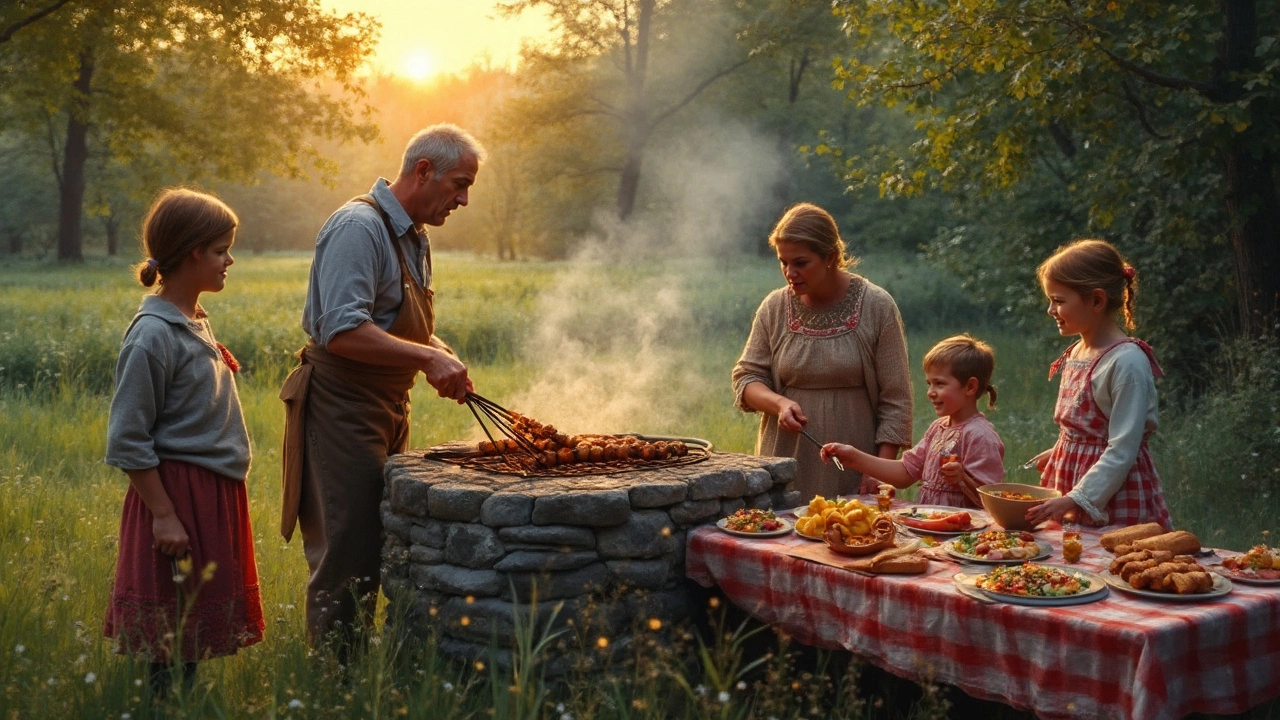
(1072, 545)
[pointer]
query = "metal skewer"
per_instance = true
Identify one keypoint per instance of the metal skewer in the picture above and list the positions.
(814, 440)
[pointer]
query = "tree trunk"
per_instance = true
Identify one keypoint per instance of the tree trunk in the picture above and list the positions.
(111, 224)
(1254, 208)
(636, 128)
(1248, 166)
(75, 157)
(630, 184)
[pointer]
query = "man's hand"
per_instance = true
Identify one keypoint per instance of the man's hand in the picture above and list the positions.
(447, 375)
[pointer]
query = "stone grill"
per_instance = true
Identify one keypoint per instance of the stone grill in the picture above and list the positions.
(466, 549)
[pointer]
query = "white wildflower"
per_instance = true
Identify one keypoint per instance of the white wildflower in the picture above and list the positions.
(448, 686)
(90, 677)
(742, 684)
(701, 690)
(19, 649)
(125, 716)
(723, 696)
(295, 703)
(566, 716)
(559, 707)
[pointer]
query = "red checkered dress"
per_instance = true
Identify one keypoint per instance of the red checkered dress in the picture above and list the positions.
(1083, 438)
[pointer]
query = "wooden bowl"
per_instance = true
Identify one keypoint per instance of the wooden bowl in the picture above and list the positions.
(1008, 513)
(880, 540)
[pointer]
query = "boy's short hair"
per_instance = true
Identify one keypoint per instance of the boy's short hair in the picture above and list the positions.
(965, 357)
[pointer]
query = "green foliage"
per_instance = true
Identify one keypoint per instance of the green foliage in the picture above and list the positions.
(173, 94)
(1045, 122)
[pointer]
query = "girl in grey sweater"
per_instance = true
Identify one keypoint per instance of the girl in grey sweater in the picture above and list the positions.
(177, 432)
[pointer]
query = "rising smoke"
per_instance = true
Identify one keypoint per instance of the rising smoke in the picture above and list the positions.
(617, 339)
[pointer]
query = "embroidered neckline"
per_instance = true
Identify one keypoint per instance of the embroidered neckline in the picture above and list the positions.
(837, 319)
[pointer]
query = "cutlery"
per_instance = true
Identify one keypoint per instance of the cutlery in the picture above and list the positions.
(814, 440)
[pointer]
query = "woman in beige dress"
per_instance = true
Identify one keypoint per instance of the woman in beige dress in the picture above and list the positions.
(826, 354)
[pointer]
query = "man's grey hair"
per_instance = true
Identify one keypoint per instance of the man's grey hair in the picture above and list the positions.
(444, 145)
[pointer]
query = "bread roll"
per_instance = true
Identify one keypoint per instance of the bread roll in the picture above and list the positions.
(1178, 542)
(911, 564)
(1129, 535)
(564, 456)
(486, 447)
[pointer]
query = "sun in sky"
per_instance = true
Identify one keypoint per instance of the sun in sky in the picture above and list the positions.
(425, 38)
(418, 65)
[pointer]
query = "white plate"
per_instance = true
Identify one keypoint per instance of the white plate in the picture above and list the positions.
(809, 537)
(1221, 586)
(1246, 579)
(1097, 590)
(1045, 550)
(978, 523)
(784, 530)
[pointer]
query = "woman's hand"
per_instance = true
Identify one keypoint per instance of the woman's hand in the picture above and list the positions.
(1052, 510)
(790, 417)
(170, 536)
(869, 486)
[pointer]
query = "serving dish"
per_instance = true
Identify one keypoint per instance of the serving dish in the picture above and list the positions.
(1010, 513)
(967, 584)
(786, 528)
(953, 548)
(977, 522)
(1221, 586)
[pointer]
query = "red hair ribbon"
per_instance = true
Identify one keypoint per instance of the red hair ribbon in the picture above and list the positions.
(1129, 272)
(228, 358)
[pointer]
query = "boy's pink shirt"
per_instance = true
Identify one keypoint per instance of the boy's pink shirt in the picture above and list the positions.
(976, 443)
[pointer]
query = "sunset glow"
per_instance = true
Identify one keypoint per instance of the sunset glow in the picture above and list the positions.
(418, 65)
(426, 38)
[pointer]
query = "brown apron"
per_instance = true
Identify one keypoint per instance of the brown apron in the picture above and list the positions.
(342, 420)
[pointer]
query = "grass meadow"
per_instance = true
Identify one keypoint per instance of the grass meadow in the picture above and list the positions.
(589, 346)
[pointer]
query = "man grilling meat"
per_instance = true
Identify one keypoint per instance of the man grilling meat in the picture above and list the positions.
(371, 324)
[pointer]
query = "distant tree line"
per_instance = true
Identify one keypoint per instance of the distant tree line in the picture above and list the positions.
(982, 133)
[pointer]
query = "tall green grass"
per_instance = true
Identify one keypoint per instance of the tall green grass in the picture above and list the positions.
(516, 325)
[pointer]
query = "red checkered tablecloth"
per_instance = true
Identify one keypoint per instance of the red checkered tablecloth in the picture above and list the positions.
(1122, 657)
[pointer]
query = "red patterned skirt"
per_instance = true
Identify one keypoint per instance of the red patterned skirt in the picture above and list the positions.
(214, 608)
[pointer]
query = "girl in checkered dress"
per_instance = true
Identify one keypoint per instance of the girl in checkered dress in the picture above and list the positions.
(1107, 398)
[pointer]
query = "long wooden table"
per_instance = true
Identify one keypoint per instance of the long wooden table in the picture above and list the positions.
(1121, 657)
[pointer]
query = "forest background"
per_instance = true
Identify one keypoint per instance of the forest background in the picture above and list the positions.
(637, 159)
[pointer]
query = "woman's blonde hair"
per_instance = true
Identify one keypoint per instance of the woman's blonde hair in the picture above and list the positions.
(179, 221)
(814, 228)
(1088, 265)
(965, 357)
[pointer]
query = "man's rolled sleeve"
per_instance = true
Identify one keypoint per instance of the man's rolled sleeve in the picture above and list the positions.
(348, 260)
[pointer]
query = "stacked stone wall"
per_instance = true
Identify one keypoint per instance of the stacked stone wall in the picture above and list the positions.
(467, 550)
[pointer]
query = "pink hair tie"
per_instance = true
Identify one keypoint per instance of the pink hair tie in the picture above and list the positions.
(1129, 272)
(152, 262)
